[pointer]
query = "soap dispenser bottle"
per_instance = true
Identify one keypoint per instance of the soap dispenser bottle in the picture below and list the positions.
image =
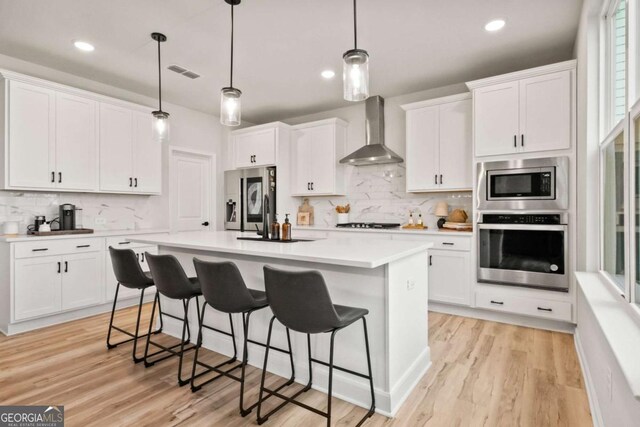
(286, 228)
(275, 228)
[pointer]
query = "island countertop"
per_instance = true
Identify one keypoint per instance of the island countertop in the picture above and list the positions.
(348, 251)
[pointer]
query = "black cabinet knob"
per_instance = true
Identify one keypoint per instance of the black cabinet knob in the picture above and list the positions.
(206, 223)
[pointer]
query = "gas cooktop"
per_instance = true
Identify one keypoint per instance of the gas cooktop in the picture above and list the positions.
(371, 225)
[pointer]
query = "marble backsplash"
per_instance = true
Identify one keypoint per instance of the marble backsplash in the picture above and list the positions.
(119, 212)
(377, 194)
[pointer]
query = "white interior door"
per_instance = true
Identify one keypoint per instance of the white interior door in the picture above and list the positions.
(191, 189)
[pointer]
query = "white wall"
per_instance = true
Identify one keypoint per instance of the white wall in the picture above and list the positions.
(374, 195)
(189, 128)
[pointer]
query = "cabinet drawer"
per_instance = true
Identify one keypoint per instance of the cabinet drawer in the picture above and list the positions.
(56, 247)
(537, 307)
(454, 243)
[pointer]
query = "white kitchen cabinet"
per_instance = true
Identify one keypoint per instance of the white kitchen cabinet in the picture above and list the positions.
(81, 279)
(449, 276)
(317, 148)
(130, 158)
(30, 119)
(438, 144)
(254, 147)
(524, 112)
(76, 143)
(40, 287)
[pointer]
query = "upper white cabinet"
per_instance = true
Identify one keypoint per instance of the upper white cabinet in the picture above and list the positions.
(523, 112)
(438, 144)
(317, 148)
(65, 139)
(256, 146)
(130, 158)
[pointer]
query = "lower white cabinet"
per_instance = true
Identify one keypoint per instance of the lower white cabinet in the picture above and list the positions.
(508, 301)
(39, 289)
(449, 276)
(81, 274)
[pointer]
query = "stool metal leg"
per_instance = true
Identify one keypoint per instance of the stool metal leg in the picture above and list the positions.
(185, 328)
(146, 347)
(333, 335)
(264, 371)
(135, 339)
(373, 395)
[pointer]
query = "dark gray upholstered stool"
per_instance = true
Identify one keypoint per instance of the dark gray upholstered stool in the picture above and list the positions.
(300, 301)
(172, 282)
(225, 290)
(130, 275)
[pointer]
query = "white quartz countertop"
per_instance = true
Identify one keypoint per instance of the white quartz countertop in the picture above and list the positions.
(348, 251)
(96, 233)
(398, 230)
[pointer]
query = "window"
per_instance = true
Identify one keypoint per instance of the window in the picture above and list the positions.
(613, 208)
(636, 198)
(619, 62)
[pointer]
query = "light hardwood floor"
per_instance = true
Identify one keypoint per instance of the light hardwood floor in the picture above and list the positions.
(483, 374)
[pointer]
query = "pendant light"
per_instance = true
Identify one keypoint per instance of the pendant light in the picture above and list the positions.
(355, 70)
(230, 111)
(161, 118)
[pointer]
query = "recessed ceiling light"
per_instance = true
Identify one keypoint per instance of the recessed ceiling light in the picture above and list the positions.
(84, 46)
(328, 74)
(494, 25)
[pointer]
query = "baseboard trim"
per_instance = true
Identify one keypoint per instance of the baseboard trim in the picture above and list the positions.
(596, 414)
(496, 316)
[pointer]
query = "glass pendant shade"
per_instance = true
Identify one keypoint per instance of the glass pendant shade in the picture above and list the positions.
(355, 75)
(230, 106)
(161, 126)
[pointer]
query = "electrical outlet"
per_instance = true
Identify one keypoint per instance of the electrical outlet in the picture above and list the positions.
(609, 385)
(100, 221)
(411, 284)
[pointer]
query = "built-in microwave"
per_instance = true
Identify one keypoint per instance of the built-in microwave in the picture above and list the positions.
(524, 184)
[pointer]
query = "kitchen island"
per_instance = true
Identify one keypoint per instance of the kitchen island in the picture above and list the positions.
(389, 278)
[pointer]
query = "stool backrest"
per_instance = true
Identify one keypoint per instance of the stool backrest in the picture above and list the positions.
(223, 287)
(300, 300)
(169, 276)
(127, 268)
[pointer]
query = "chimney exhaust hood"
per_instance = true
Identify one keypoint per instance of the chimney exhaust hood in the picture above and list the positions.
(374, 152)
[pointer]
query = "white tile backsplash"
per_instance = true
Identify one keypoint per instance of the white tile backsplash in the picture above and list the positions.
(119, 211)
(377, 194)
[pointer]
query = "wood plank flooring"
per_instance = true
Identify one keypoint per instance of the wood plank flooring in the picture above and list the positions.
(483, 374)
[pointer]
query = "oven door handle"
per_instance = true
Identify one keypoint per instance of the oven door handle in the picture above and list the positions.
(542, 227)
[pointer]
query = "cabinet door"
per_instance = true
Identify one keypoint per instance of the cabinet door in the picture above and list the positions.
(449, 276)
(301, 162)
(423, 140)
(76, 143)
(254, 149)
(545, 112)
(31, 131)
(322, 160)
(455, 145)
(81, 280)
(147, 156)
(37, 287)
(116, 139)
(495, 119)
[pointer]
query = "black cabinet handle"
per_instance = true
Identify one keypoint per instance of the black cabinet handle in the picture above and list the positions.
(309, 186)
(430, 259)
(440, 179)
(59, 177)
(515, 141)
(448, 243)
(39, 250)
(497, 302)
(83, 246)
(312, 186)
(136, 182)
(142, 256)
(66, 266)
(53, 177)
(58, 268)
(435, 177)
(206, 223)
(522, 140)
(130, 182)
(545, 309)
(124, 243)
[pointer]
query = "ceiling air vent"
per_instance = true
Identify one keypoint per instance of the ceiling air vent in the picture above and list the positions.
(185, 72)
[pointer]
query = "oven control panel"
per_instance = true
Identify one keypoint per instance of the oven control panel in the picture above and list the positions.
(531, 219)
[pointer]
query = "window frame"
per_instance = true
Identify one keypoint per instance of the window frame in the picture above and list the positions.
(634, 114)
(607, 67)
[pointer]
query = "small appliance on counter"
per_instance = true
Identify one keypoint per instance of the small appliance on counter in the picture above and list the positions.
(69, 222)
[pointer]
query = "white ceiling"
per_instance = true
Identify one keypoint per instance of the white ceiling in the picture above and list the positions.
(283, 45)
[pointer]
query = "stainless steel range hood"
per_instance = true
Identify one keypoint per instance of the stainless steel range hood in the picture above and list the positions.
(374, 152)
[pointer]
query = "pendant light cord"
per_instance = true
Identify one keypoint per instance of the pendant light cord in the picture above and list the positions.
(355, 27)
(159, 79)
(231, 70)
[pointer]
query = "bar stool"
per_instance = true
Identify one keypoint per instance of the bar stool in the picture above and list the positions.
(225, 290)
(301, 302)
(130, 275)
(172, 282)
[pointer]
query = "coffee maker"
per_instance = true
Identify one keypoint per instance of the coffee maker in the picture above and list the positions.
(67, 217)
